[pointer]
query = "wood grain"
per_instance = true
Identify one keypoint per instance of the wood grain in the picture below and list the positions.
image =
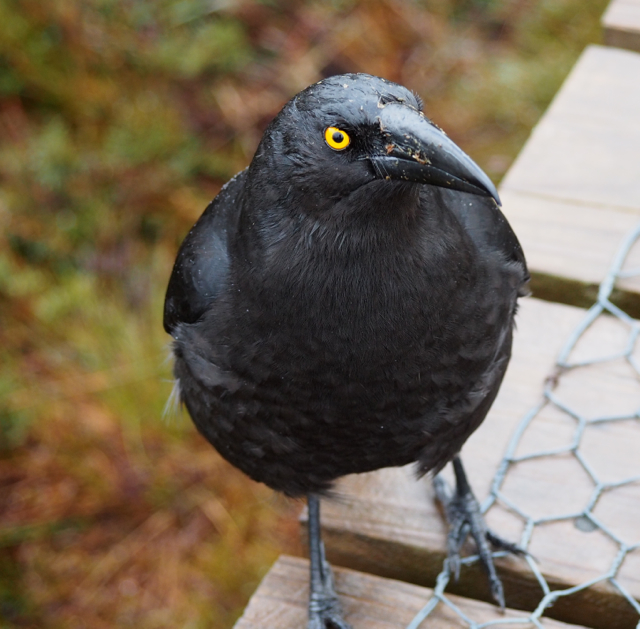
(579, 150)
(621, 24)
(369, 602)
(387, 523)
(573, 193)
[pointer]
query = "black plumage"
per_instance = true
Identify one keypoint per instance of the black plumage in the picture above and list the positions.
(343, 308)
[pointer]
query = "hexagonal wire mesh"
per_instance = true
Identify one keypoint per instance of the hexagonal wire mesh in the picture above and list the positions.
(584, 518)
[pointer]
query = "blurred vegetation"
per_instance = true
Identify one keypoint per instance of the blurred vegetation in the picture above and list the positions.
(119, 121)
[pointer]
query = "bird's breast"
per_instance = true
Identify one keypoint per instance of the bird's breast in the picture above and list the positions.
(348, 363)
(372, 316)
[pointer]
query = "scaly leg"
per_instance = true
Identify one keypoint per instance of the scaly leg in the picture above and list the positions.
(324, 607)
(464, 517)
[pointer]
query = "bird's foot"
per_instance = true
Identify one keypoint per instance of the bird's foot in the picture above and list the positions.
(325, 611)
(465, 517)
(326, 614)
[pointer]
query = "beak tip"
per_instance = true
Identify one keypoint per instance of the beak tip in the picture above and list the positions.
(485, 184)
(407, 135)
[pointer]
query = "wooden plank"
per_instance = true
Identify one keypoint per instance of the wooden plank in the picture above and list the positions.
(621, 24)
(387, 523)
(582, 149)
(576, 242)
(573, 192)
(369, 602)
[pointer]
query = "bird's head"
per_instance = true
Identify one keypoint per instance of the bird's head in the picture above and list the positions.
(353, 129)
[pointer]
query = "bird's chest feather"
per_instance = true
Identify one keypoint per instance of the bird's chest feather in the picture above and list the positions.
(371, 320)
(317, 365)
(338, 357)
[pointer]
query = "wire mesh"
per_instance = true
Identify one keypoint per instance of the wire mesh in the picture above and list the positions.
(584, 518)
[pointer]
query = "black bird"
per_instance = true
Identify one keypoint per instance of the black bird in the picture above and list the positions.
(346, 303)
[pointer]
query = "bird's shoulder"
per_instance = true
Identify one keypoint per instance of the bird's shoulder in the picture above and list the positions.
(201, 268)
(489, 230)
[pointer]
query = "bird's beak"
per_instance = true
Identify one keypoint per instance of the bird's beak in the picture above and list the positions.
(414, 149)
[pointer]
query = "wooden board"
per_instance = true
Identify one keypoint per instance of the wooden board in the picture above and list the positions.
(573, 193)
(369, 602)
(387, 523)
(621, 24)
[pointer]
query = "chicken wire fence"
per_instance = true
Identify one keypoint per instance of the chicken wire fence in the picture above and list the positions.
(584, 519)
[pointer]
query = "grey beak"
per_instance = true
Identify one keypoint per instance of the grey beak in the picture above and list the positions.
(416, 150)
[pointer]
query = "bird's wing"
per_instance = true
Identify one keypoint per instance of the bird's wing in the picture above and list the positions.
(488, 228)
(202, 266)
(497, 244)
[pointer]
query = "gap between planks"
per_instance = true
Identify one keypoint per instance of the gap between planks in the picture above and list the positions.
(621, 24)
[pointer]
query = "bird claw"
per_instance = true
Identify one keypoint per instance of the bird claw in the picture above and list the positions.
(502, 544)
(465, 518)
(327, 616)
(325, 611)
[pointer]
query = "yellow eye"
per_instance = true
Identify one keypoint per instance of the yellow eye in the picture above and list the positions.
(336, 138)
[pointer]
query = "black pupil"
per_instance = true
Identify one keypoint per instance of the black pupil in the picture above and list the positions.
(337, 137)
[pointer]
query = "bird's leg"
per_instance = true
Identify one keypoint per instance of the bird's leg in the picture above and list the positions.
(464, 517)
(324, 607)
